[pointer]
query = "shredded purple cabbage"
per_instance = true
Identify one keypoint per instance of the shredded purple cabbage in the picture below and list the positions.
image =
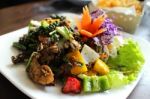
(97, 13)
(112, 30)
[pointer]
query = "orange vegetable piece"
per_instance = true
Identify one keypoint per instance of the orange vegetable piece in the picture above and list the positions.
(99, 32)
(87, 27)
(86, 33)
(86, 18)
(76, 69)
(101, 67)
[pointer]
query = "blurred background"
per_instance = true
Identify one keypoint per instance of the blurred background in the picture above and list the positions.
(7, 3)
(56, 6)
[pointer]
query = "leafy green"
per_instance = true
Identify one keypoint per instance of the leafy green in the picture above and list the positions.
(33, 25)
(44, 23)
(65, 32)
(19, 46)
(129, 58)
(117, 79)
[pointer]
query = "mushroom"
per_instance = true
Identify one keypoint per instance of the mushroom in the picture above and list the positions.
(41, 74)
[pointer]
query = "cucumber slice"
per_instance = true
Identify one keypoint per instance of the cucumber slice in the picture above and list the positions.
(95, 84)
(87, 87)
(87, 84)
(104, 83)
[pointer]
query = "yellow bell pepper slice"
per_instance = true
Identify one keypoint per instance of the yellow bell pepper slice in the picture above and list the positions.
(77, 57)
(100, 67)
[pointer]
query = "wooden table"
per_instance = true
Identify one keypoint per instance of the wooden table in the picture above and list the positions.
(11, 19)
(16, 17)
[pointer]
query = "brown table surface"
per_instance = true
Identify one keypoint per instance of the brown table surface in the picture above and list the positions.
(13, 18)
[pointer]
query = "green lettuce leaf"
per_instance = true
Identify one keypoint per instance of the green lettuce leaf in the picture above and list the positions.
(117, 79)
(129, 58)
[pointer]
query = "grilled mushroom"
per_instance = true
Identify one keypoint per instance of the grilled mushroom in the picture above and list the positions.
(41, 74)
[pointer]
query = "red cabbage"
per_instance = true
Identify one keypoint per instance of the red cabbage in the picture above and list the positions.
(111, 29)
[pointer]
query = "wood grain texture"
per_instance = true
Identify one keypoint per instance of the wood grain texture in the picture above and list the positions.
(16, 17)
(11, 19)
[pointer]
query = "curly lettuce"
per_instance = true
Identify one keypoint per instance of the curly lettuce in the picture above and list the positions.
(117, 79)
(129, 58)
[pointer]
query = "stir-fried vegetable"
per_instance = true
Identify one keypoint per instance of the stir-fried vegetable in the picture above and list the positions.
(78, 63)
(101, 67)
(41, 74)
(92, 57)
(64, 32)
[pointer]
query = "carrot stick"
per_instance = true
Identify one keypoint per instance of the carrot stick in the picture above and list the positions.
(98, 22)
(86, 33)
(99, 32)
(86, 18)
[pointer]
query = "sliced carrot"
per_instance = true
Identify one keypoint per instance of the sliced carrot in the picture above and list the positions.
(86, 18)
(87, 13)
(101, 19)
(99, 32)
(97, 23)
(83, 20)
(86, 33)
(88, 28)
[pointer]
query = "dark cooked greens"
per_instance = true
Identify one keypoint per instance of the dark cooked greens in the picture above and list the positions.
(31, 41)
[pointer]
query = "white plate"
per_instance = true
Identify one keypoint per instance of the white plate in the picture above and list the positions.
(16, 74)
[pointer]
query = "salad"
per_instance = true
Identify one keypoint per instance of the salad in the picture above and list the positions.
(87, 56)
